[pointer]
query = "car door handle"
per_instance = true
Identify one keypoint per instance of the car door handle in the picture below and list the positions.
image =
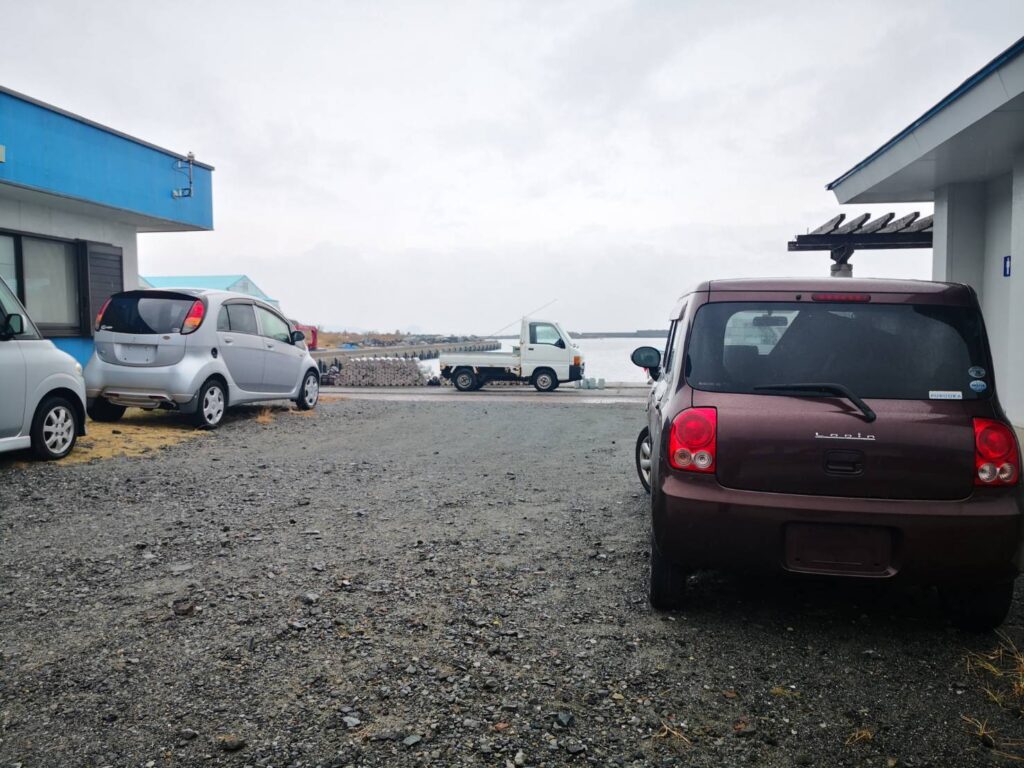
(270, 346)
(530, 349)
(229, 341)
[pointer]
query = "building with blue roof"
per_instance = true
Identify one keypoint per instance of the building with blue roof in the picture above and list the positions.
(966, 154)
(237, 283)
(74, 195)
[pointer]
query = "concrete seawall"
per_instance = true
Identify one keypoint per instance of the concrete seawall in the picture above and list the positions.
(422, 351)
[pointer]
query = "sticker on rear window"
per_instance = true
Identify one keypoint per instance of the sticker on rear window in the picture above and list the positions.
(976, 372)
(979, 386)
(944, 394)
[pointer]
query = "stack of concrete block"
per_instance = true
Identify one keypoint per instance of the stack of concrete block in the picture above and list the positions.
(381, 372)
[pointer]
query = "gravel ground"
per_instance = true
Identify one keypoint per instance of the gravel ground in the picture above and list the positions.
(445, 583)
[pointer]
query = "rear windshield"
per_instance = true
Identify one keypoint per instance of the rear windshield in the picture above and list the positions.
(146, 313)
(887, 351)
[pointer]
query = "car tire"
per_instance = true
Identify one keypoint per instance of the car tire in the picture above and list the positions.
(465, 380)
(977, 609)
(55, 428)
(545, 380)
(104, 410)
(643, 458)
(309, 392)
(668, 582)
(212, 404)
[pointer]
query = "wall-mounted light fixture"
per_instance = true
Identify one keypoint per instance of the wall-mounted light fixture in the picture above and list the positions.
(180, 167)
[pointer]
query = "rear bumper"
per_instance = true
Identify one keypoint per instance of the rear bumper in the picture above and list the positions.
(699, 524)
(141, 398)
(172, 386)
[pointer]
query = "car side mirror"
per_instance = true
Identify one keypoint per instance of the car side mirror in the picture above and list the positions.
(298, 336)
(649, 358)
(13, 325)
(646, 357)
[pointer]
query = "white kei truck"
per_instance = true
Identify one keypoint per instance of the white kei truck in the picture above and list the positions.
(546, 357)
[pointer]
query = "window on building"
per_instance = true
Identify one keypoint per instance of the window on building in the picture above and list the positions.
(50, 279)
(8, 263)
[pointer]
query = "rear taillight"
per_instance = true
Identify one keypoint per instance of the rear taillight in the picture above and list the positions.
(996, 454)
(194, 318)
(693, 440)
(99, 315)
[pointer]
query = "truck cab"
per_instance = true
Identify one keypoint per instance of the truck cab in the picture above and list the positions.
(546, 356)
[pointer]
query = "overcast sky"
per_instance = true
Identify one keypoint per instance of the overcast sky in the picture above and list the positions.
(451, 165)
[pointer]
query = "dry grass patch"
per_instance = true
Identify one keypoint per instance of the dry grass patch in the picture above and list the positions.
(861, 734)
(1001, 675)
(1001, 672)
(137, 433)
(265, 416)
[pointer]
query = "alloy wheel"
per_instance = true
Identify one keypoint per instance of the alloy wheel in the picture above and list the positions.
(59, 430)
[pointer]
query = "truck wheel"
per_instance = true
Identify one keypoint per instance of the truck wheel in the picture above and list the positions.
(465, 380)
(545, 380)
(668, 582)
(977, 609)
(104, 410)
(643, 458)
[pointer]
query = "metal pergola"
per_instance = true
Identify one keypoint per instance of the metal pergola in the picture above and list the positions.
(863, 233)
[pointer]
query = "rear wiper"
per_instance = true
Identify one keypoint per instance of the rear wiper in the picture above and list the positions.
(834, 389)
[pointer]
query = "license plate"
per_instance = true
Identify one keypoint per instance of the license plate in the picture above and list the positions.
(841, 549)
(136, 353)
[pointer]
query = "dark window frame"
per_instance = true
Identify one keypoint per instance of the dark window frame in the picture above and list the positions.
(83, 326)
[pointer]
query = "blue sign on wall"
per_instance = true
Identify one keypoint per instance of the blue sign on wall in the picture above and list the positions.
(1006, 266)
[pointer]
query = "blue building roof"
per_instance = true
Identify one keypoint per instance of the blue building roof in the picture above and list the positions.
(52, 151)
(239, 283)
(966, 86)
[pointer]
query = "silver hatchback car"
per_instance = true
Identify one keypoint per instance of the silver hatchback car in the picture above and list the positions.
(197, 352)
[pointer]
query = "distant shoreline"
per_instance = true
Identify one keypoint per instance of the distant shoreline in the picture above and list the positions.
(646, 334)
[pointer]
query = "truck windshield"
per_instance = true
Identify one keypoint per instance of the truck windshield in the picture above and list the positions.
(888, 351)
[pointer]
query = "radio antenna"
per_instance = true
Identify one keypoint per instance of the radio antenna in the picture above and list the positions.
(538, 309)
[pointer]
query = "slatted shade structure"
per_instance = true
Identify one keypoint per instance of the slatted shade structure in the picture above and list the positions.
(841, 237)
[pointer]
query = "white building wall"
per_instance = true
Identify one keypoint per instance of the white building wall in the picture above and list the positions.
(31, 218)
(976, 225)
(994, 288)
(959, 233)
(1011, 393)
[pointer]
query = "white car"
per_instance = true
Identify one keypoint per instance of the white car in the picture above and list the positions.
(197, 352)
(42, 392)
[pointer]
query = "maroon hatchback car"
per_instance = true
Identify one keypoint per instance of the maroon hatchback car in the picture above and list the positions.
(833, 427)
